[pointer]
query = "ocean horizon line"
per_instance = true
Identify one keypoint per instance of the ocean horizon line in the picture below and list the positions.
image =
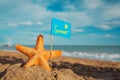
(58, 45)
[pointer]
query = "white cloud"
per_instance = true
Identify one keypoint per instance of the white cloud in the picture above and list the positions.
(69, 6)
(113, 23)
(27, 23)
(92, 4)
(11, 24)
(38, 23)
(79, 19)
(94, 35)
(108, 36)
(103, 12)
(105, 27)
(78, 30)
(111, 11)
(109, 25)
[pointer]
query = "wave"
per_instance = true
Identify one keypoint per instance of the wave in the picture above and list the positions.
(98, 56)
(9, 50)
(101, 53)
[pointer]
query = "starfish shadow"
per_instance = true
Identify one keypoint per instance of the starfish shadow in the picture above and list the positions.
(10, 60)
(90, 71)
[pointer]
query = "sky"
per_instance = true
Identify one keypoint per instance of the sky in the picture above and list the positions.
(93, 22)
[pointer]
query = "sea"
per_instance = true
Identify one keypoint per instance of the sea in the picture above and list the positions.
(107, 53)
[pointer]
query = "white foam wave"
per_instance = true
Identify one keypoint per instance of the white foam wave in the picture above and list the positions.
(98, 56)
(9, 50)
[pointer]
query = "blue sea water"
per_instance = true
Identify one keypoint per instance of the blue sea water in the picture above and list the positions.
(109, 53)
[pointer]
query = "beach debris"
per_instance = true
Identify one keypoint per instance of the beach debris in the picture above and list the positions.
(38, 55)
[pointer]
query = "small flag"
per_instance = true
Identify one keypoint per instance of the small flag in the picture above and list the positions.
(60, 28)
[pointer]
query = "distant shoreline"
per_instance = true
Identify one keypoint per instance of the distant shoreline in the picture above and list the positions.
(59, 45)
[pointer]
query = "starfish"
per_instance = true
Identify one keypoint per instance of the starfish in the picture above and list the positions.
(38, 55)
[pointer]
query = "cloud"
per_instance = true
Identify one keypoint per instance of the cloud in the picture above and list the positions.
(23, 10)
(113, 23)
(103, 12)
(29, 23)
(92, 4)
(110, 36)
(11, 24)
(38, 23)
(18, 23)
(112, 11)
(108, 25)
(77, 19)
(94, 35)
(107, 35)
(105, 27)
(78, 30)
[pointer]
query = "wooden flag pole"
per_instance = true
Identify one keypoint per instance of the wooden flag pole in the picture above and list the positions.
(51, 49)
(50, 42)
(51, 46)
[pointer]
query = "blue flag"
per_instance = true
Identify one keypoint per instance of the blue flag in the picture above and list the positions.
(60, 28)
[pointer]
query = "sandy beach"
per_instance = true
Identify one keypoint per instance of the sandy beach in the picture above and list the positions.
(64, 68)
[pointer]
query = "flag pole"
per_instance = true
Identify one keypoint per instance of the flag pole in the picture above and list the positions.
(51, 45)
(51, 42)
(51, 49)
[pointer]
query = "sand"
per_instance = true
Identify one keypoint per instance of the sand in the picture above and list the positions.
(64, 68)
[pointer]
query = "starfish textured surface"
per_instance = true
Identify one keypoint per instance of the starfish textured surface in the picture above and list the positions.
(38, 55)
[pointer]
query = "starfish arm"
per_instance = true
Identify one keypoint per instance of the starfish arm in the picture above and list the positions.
(55, 53)
(31, 62)
(44, 64)
(25, 50)
(39, 43)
